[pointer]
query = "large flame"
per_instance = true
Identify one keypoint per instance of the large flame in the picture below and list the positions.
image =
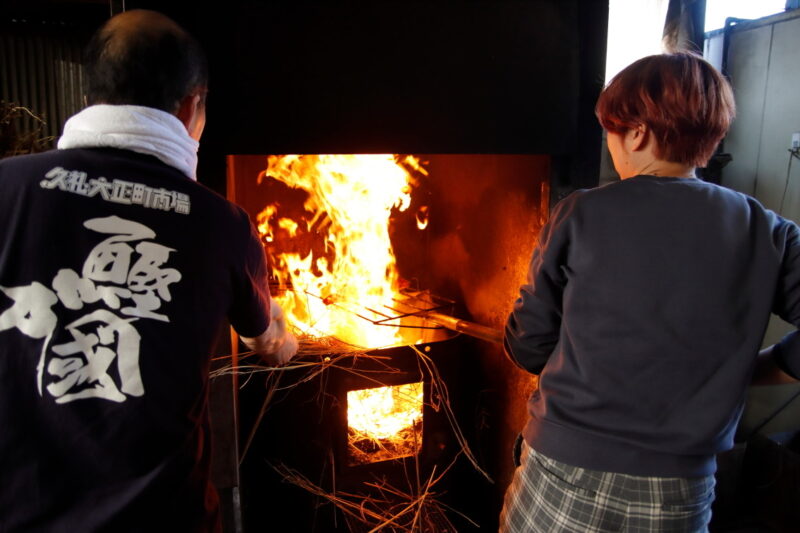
(384, 422)
(339, 288)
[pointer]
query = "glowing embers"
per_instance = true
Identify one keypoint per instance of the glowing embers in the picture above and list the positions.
(384, 423)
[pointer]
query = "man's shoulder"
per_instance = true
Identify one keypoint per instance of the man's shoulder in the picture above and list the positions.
(18, 171)
(73, 159)
(61, 169)
(219, 204)
(29, 160)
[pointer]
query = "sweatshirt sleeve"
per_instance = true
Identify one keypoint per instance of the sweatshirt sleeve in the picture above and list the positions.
(787, 297)
(533, 327)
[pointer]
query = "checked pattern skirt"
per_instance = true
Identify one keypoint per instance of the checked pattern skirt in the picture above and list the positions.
(547, 496)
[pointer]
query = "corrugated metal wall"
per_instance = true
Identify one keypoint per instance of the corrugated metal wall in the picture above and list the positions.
(40, 69)
(762, 64)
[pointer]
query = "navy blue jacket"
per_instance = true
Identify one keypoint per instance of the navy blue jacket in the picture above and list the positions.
(644, 310)
(117, 274)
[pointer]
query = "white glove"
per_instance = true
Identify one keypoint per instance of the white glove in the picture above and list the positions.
(276, 345)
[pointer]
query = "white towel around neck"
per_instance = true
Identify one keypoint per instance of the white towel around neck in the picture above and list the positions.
(141, 129)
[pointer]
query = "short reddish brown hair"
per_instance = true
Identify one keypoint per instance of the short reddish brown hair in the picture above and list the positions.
(684, 101)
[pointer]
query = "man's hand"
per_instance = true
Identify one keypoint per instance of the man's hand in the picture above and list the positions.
(276, 345)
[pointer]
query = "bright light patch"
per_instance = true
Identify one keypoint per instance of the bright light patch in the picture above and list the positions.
(338, 265)
(718, 10)
(384, 423)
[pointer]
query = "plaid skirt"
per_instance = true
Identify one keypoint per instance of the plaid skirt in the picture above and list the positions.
(548, 496)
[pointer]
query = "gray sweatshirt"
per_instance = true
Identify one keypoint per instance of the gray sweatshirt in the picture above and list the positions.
(644, 310)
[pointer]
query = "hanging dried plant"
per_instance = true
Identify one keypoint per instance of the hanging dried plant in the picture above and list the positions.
(13, 141)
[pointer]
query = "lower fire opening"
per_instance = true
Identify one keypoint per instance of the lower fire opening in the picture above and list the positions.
(384, 423)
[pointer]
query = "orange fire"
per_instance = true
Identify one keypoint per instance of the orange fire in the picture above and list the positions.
(339, 285)
(384, 422)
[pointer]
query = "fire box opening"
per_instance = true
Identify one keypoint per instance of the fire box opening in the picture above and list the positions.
(384, 423)
(373, 250)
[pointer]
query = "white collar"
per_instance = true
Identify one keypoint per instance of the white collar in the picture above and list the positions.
(141, 129)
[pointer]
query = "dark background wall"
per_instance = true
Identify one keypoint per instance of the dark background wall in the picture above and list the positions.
(503, 77)
(453, 76)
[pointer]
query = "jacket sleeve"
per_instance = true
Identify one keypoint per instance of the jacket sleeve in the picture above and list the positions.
(533, 327)
(250, 308)
(787, 298)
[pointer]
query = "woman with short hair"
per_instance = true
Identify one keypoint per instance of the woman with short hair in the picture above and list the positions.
(644, 309)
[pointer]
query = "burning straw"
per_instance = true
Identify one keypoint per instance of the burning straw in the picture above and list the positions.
(316, 355)
(384, 423)
(312, 351)
(383, 507)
